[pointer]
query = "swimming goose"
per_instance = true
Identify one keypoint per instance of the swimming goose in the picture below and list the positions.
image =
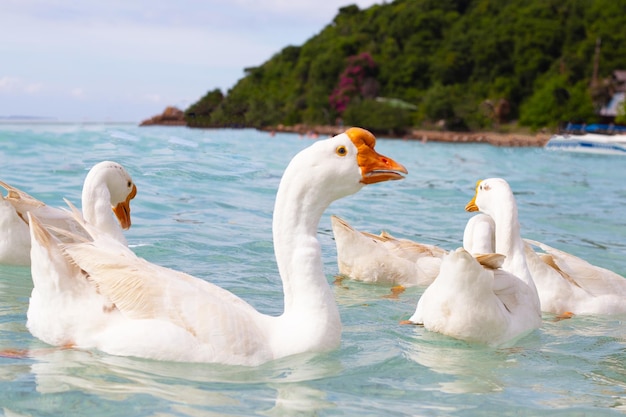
(484, 304)
(565, 283)
(569, 285)
(477, 303)
(107, 186)
(105, 297)
(383, 258)
(494, 198)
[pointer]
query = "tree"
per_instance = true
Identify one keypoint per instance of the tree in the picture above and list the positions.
(358, 80)
(621, 114)
(199, 113)
(377, 116)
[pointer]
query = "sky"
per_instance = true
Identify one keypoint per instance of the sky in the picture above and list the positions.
(126, 60)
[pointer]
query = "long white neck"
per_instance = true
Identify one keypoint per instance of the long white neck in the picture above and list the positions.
(96, 206)
(308, 297)
(509, 242)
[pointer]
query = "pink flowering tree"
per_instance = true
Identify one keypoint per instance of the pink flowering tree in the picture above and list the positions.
(357, 80)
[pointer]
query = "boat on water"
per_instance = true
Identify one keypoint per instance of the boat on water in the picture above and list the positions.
(602, 139)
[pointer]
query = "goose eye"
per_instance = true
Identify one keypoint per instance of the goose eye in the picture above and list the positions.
(130, 184)
(341, 150)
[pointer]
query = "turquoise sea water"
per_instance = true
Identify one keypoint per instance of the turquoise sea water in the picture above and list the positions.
(204, 206)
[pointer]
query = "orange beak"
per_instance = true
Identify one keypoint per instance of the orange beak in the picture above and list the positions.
(471, 206)
(374, 166)
(122, 210)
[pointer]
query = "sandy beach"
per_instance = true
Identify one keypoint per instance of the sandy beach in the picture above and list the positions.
(492, 138)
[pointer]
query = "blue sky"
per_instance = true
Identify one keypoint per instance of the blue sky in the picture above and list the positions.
(126, 60)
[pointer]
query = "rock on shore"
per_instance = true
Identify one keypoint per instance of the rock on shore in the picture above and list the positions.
(172, 116)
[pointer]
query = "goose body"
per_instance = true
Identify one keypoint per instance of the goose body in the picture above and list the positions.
(481, 304)
(383, 258)
(478, 304)
(107, 186)
(568, 284)
(129, 306)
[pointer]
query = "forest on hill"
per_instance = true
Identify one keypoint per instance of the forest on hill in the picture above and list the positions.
(453, 64)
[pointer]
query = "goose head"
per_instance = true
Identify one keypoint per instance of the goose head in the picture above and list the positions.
(120, 186)
(489, 195)
(339, 166)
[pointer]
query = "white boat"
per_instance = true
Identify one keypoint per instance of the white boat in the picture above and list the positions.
(589, 143)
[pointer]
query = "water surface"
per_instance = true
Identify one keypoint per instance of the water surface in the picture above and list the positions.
(204, 206)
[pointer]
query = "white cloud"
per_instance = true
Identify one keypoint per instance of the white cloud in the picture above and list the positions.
(9, 83)
(77, 93)
(33, 88)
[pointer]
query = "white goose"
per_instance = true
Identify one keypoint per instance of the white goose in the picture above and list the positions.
(107, 298)
(481, 304)
(383, 258)
(107, 186)
(569, 285)
(565, 283)
(366, 257)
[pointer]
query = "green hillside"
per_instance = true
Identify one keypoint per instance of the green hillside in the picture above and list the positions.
(464, 64)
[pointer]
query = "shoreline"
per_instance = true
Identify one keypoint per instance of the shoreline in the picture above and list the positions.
(173, 116)
(491, 138)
